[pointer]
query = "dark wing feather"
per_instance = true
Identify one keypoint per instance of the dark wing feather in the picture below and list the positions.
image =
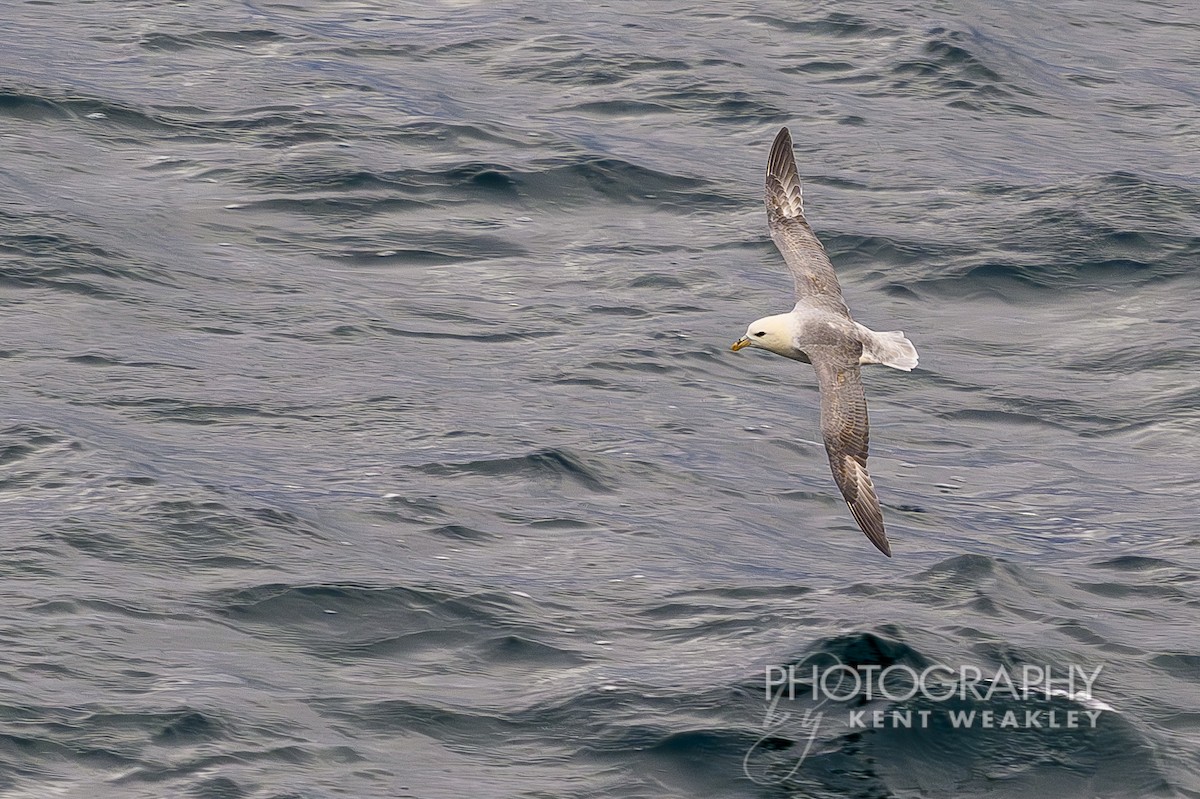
(814, 275)
(846, 432)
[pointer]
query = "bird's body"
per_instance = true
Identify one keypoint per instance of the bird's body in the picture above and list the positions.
(819, 330)
(806, 327)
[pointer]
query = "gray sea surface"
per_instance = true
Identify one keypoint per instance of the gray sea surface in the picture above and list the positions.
(370, 427)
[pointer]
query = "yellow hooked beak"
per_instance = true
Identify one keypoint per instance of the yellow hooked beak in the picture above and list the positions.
(740, 343)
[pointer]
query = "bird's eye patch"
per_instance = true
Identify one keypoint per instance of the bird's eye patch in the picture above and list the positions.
(760, 334)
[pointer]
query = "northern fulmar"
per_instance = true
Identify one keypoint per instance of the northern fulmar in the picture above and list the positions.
(820, 331)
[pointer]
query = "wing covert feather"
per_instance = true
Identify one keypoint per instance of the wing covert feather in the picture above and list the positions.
(800, 247)
(846, 431)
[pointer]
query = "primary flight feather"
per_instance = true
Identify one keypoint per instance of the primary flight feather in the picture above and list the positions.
(820, 331)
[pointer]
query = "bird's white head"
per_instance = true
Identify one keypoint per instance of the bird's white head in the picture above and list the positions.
(774, 333)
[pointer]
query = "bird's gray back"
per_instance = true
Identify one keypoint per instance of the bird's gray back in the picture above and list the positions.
(819, 328)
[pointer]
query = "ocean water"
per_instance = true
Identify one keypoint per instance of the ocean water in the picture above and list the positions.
(371, 430)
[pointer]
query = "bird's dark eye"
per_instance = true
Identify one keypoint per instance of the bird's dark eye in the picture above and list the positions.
(760, 334)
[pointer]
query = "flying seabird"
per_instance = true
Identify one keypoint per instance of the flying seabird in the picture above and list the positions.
(820, 331)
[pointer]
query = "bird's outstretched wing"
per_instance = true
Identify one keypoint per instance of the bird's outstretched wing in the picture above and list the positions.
(846, 432)
(814, 275)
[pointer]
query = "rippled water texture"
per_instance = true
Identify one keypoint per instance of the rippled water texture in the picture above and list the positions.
(371, 428)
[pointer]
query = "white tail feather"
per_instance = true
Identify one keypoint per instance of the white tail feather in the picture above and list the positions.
(890, 349)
